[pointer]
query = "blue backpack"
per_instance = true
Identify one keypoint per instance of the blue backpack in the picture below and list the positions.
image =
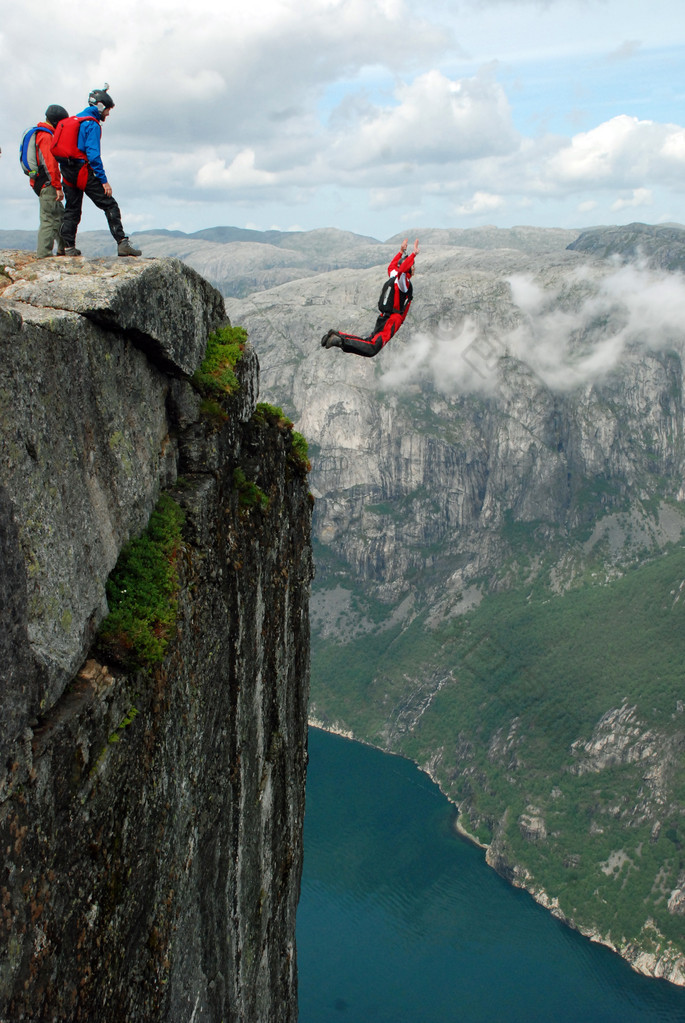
(28, 158)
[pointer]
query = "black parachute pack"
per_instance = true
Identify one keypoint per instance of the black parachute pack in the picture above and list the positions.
(386, 302)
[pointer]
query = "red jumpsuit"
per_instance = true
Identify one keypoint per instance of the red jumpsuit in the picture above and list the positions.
(387, 324)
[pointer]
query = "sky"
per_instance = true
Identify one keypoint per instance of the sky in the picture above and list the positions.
(373, 116)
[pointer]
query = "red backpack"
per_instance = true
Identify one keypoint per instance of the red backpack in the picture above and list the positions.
(65, 146)
(65, 143)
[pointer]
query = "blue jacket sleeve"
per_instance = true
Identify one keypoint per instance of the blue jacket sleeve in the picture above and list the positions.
(89, 143)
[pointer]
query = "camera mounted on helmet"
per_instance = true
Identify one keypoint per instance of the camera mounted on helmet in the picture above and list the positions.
(101, 99)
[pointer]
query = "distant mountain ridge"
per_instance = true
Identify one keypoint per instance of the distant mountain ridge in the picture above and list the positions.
(237, 261)
(662, 245)
(240, 261)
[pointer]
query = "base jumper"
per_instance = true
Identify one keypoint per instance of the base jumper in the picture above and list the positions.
(77, 149)
(393, 306)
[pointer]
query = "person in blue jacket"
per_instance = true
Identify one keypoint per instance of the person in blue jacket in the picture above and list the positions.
(83, 173)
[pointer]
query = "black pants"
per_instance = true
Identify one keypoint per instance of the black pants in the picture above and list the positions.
(386, 327)
(74, 201)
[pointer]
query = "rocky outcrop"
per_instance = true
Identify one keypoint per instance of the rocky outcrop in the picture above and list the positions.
(660, 245)
(618, 738)
(86, 446)
(151, 820)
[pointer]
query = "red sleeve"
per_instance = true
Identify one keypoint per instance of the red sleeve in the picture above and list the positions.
(44, 142)
(401, 263)
(394, 263)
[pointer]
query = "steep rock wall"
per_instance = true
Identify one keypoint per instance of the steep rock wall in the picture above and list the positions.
(408, 463)
(151, 822)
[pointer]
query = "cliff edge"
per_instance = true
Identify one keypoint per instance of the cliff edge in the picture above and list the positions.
(151, 819)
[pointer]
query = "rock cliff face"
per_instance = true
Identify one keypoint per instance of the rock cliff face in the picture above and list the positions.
(499, 556)
(479, 411)
(151, 821)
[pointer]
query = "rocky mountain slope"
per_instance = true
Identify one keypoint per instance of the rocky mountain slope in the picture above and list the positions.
(151, 799)
(660, 246)
(498, 539)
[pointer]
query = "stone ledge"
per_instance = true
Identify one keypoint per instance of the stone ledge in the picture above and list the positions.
(165, 307)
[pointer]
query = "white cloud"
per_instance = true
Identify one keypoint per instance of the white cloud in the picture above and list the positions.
(354, 111)
(242, 173)
(570, 336)
(640, 197)
(437, 120)
(622, 152)
(481, 202)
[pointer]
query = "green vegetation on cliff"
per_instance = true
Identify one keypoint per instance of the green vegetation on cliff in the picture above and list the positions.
(216, 375)
(142, 590)
(249, 494)
(266, 413)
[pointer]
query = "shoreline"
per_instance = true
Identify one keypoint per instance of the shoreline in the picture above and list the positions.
(346, 733)
(669, 967)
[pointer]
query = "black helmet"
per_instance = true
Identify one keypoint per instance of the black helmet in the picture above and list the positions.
(100, 98)
(55, 113)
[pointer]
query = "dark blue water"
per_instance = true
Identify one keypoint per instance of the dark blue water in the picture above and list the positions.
(401, 921)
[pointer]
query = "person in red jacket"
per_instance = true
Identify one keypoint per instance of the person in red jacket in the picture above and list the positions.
(393, 305)
(47, 184)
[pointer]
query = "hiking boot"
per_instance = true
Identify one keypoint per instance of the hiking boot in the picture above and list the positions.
(126, 249)
(71, 250)
(331, 340)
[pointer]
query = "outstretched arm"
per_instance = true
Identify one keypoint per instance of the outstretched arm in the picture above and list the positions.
(402, 262)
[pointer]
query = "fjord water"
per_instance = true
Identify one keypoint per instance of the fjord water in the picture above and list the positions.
(401, 921)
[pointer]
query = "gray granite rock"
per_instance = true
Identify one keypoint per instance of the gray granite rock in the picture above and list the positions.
(163, 306)
(151, 821)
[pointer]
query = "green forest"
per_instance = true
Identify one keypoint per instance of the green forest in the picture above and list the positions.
(502, 702)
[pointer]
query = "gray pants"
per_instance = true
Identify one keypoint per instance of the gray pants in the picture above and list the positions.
(51, 214)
